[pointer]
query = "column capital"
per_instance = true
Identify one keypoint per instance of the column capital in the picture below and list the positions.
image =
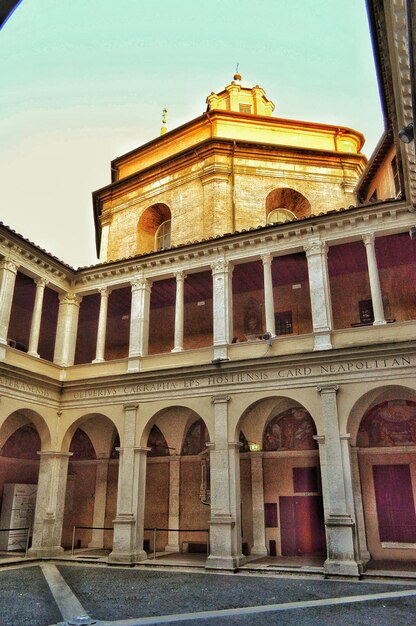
(137, 284)
(222, 399)
(328, 389)
(315, 247)
(70, 298)
(221, 266)
(368, 238)
(267, 258)
(345, 437)
(180, 276)
(131, 406)
(320, 439)
(41, 282)
(104, 292)
(9, 264)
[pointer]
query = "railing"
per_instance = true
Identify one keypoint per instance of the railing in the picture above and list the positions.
(28, 528)
(74, 529)
(176, 530)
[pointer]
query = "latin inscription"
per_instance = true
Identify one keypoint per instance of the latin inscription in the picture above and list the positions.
(11, 383)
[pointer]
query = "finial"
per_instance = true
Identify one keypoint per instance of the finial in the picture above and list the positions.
(163, 128)
(237, 76)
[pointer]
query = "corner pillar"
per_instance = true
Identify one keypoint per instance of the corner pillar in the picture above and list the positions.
(341, 553)
(225, 522)
(50, 504)
(8, 273)
(66, 333)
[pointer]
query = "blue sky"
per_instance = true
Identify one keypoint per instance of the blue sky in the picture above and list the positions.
(85, 81)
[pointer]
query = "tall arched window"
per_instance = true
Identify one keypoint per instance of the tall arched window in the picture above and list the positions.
(162, 237)
(280, 215)
(286, 203)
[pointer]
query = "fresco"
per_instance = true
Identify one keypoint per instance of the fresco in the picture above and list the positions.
(391, 423)
(292, 430)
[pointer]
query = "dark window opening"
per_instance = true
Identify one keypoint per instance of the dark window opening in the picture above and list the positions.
(245, 108)
(366, 311)
(396, 176)
(270, 514)
(284, 323)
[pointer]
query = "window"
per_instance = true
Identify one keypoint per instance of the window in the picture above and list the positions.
(163, 236)
(396, 176)
(245, 108)
(284, 323)
(366, 311)
(280, 215)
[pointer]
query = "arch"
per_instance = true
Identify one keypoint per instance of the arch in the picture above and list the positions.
(292, 429)
(173, 422)
(98, 427)
(81, 446)
(290, 204)
(22, 417)
(370, 400)
(24, 443)
(149, 235)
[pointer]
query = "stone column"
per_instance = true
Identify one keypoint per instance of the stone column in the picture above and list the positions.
(100, 502)
(316, 255)
(179, 312)
(66, 333)
(222, 307)
(128, 525)
(268, 294)
(257, 495)
(174, 503)
(102, 326)
(37, 317)
(225, 522)
(50, 504)
(361, 532)
(139, 322)
(341, 559)
(375, 288)
(8, 272)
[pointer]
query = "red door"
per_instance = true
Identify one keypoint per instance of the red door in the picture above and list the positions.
(395, 505)
(302, 525)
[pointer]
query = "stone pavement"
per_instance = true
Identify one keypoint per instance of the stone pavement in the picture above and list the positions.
(56, 593)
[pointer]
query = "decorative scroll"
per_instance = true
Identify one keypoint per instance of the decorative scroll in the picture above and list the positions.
(292, 430)
(391, 423)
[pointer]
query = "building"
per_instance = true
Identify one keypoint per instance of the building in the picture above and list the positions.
(238, 371)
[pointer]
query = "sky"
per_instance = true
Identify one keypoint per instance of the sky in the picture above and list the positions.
(85, 81)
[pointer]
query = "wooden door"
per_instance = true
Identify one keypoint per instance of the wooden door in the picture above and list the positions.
(302, 525)
(395, 505)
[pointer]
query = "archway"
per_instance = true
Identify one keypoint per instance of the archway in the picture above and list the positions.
(154, 228)
(385, 483)
(280, 481)
(91, 492)
(286, 204)
(21, 438)
(177, 482)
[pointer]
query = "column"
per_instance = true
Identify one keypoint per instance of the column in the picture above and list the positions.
(179, 312)
(139, 322)
(375, 288)
(100, 503)
(50, 504)
(174, 503)
(257, 496)
(8, 272)
(339, 523)
(225, 522)
(222, 307)
(316, 255)
(268, 294)
(128, 525)
(66, 333)
(361, 533)
(102, 326)
(37, 317)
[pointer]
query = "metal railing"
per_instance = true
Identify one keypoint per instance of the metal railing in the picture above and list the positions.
(74, 529)
(176, 530)
(28, 528)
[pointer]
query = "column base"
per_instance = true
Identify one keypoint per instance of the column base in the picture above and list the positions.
(35, 354)
(177, 349)
(45, 552)
(220, 353)
(322, 341)
(98, 361)
(225, 562)
(172, 547)
(259, 551)
(133, 364)
(334, 567)
(379, 322)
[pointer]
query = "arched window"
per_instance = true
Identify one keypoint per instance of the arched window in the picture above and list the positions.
(162, 237)
(280, 215)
